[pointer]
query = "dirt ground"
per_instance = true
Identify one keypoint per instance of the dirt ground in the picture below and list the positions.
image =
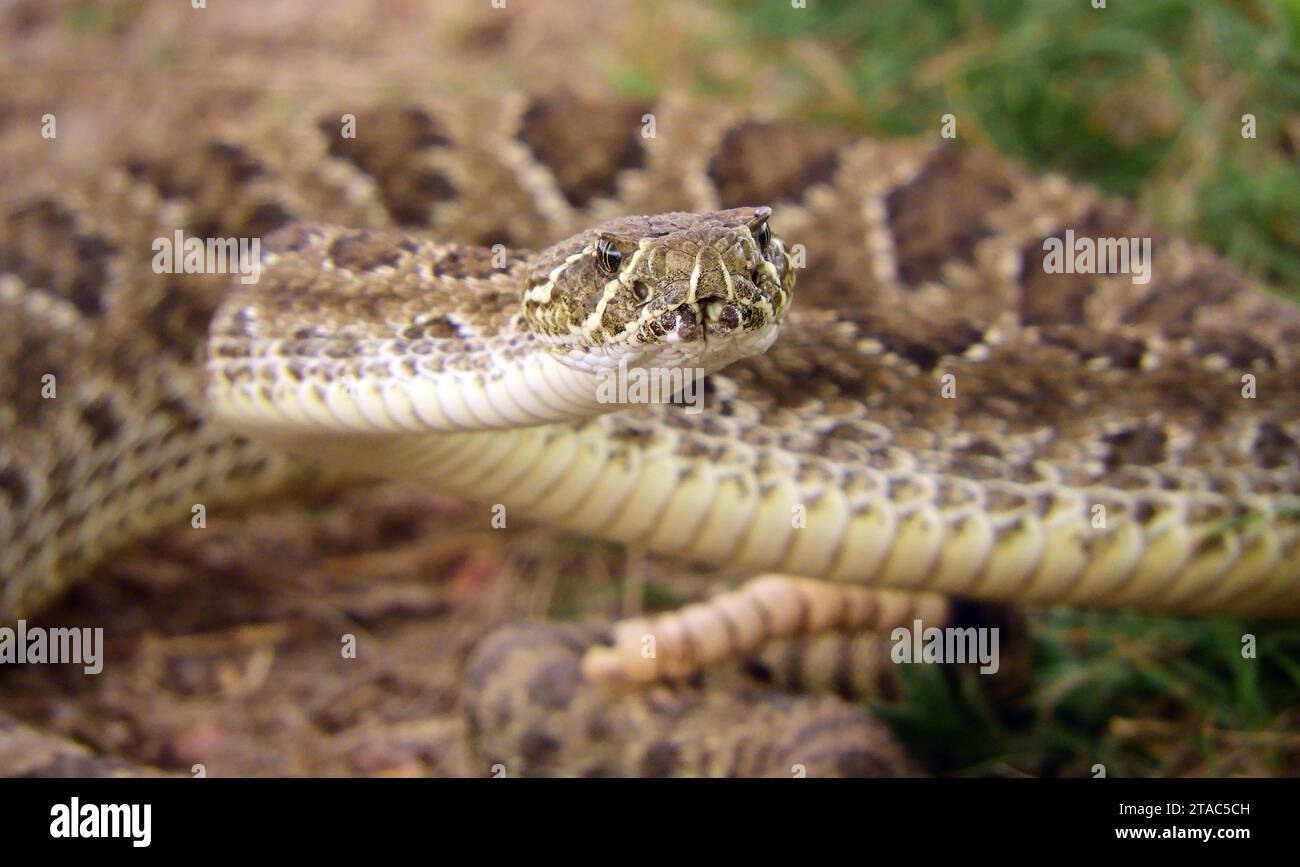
(224, 646)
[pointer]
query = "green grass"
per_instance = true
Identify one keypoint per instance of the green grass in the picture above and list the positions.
(1140, 695)
(1143, 99)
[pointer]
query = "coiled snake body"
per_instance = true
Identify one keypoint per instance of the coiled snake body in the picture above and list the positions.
(939, 412)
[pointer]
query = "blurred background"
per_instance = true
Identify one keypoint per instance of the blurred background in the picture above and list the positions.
(1143, 100)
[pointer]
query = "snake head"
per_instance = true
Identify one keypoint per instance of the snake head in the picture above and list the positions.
(670, 290)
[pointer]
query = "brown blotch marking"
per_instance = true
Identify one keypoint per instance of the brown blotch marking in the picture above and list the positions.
(600, 772)
(556, 684)
(1121, 351)
(179, 319)
(941, 340)
(538, 749)
(981, 446)
(586, 143)
(31, 357)
(93, 253)
(385, 139)
(599, 726)
(291, 238)
(939, 216)
(766, 162)
(1142, 446)
(1173, 306)
(264, 218)
(48, 252)
(181, 415)
(364, 251)
(1273, 447)
(102, 419)
(31, 271)
(234, 162)
(426, 188)
(462, 262)
(921, 342)
(215, 178)
(439, 328)
(161, 176)
(1240, 349)
(14, 485)
(1062, 297)
(661, 759)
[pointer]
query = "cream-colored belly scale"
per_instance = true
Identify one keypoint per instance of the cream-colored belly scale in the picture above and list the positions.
(591, 479)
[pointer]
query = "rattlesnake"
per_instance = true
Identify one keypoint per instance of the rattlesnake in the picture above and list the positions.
(945, 414)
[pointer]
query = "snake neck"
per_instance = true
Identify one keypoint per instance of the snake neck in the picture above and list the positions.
(359, 332)
(531, 389)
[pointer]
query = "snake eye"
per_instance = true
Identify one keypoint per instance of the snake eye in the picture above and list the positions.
(640, 291)
(762, 235)
(607, 256)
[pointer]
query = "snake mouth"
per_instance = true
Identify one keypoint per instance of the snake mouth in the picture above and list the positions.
(707, 318)
(719, 316)
(711, 332)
